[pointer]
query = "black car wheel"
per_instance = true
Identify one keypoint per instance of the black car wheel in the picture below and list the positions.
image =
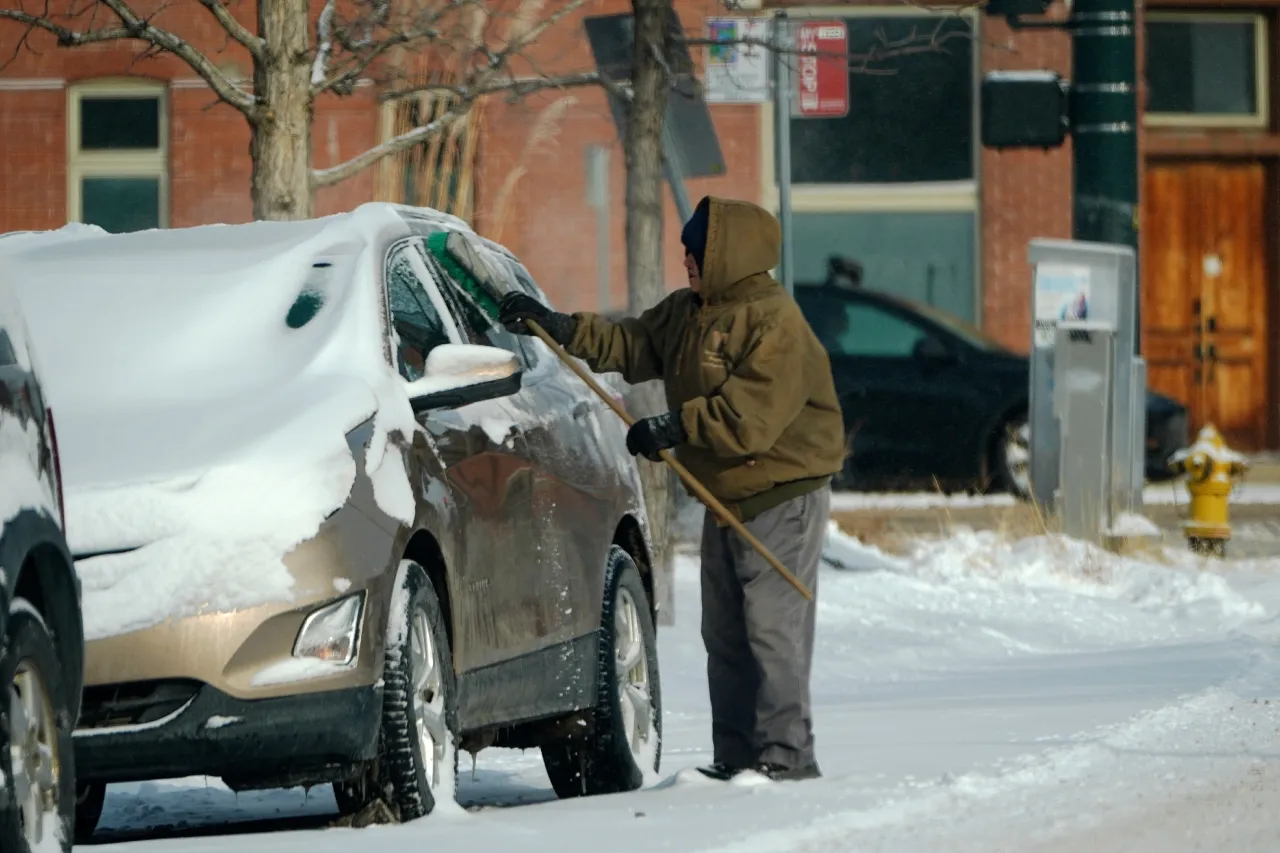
(418, 757)
(90, 798)
(1012, 455)
(625, 734)
(38, 763)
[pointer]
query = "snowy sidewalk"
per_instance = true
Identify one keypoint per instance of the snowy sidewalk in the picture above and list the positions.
(977, 695)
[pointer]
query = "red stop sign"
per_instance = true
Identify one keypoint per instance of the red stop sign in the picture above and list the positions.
(822, 69)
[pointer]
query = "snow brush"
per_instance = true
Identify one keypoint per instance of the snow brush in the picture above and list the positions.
(473, 273)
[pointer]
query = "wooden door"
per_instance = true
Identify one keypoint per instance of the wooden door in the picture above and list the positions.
(1204, 294)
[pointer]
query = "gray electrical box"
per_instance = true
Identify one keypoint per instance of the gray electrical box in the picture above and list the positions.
(1081, 282)
(1084, 365)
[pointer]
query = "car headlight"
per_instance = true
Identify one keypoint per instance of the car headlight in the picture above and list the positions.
(331, 633)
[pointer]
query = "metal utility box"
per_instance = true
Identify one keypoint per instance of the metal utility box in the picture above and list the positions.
(1080, 282)
(1084, 366)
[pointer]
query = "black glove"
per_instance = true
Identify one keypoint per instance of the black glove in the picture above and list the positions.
(649, 435)
(517, 307)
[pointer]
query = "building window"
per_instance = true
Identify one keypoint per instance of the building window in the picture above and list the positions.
(894, 184)
(1206, 69)
(910, 118)
(440, 172)
(117, 155)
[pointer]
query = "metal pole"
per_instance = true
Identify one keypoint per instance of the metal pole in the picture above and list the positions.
(782, 142)
(1104, 107)
(598, 195)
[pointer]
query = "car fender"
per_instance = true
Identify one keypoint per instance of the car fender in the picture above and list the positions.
(35, 531)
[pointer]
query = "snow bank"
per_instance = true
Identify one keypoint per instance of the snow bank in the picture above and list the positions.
(842, 551)
(204, 382)
(978, 595)
(1059, 563)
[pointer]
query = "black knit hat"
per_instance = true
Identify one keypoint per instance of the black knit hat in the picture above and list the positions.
(694, 235)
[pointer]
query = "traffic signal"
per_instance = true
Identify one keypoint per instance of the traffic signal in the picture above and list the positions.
(1024, 109)
(1016, 8)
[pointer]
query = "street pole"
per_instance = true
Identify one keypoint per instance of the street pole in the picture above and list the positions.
(782, 143)
(1104, 126)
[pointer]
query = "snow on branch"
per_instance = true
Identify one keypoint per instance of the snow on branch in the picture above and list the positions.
(324, 42)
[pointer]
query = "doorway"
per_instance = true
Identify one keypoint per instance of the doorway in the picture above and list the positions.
(1205, 313)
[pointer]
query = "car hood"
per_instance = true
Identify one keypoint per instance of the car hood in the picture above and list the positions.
(239, 467)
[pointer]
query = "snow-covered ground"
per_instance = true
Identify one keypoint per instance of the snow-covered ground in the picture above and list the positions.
(1155, 494)
(977, 695)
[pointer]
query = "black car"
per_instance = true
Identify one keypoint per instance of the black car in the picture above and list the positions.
(930, 400)
(41, 633)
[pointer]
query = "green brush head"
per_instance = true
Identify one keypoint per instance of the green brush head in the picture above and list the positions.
(472, 271)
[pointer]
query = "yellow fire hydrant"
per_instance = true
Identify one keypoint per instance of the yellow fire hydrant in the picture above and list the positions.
(1211, 469)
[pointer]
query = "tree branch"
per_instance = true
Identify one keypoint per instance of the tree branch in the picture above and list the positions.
(66, 36)
(234, 28)
(137, 28)
(405, 141)
(518, 87)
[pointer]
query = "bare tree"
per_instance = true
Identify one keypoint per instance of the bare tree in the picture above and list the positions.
(643, 150)
(356, 42)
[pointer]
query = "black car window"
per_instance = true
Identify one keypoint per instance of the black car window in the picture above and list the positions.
(854, 328)
(474, 323)
(413, 316)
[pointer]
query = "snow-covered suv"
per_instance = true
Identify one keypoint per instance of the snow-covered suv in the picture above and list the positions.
(41, 639)
(333, 523)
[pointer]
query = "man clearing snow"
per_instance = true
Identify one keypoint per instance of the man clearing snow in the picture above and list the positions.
(754, 416)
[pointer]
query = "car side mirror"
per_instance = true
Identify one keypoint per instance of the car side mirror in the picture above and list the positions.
(460, 374)
(930, 349)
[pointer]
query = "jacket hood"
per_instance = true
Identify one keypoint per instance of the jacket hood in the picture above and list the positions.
(743, 240)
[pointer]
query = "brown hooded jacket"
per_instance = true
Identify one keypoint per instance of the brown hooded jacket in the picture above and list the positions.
(740, 363)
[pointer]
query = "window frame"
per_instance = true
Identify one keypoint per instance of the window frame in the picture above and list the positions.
(143, 163)
(922, 197)
(436, 299)
(1261, 117)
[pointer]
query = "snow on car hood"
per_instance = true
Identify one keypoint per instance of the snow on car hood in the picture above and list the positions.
(202, 417)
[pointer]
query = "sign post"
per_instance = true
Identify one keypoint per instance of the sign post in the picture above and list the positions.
(823, 49)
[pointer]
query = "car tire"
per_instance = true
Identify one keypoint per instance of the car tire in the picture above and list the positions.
(611, 756)
(418, 756)
(1012, 456)
(37, 713)
(90, 798)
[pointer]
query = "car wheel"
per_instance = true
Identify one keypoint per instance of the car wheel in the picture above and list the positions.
(1013, 457)
(418, 757)
(625, 735)
(40, 774)
(90, 797)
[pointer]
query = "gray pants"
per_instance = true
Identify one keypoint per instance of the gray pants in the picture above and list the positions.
(758, 631)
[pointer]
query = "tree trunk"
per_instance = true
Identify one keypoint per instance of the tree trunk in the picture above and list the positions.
(280, 145)
(644, 256)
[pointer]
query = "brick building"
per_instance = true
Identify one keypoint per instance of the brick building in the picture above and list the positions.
(901, 183)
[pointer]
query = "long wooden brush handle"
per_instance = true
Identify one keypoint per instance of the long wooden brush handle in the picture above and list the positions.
(699, 490)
